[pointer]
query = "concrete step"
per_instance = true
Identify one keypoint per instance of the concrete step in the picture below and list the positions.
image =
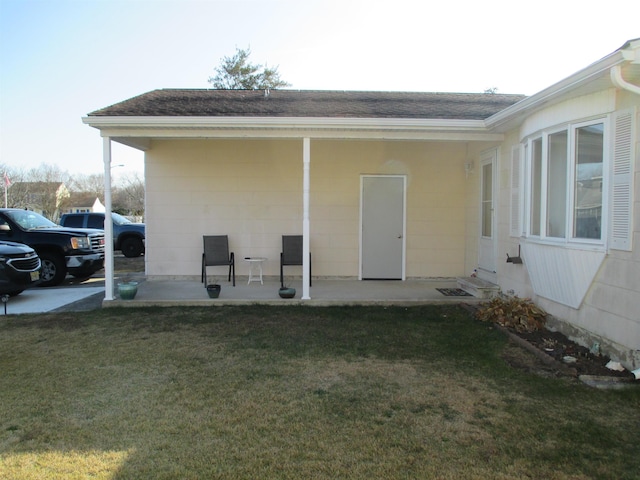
(477, 287)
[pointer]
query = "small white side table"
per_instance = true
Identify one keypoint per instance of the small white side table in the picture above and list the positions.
(255, 263)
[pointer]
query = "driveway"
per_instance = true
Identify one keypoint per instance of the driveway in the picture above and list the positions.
(72, 295)
(64, 297)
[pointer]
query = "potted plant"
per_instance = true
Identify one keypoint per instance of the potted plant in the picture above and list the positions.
(127, 289)
(213, 290)
(286, 291)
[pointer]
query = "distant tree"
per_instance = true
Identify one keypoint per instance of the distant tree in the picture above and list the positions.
(92, 183)
(42, 189)
(47, 189)
(491, 91)
(128, 196)
(237, 73)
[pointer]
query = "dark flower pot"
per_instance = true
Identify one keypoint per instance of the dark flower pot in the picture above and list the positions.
(287, 292)
(213, 291)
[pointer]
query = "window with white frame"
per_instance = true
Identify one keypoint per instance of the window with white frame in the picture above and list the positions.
(562, 180)
(566, 195)
(588, 181)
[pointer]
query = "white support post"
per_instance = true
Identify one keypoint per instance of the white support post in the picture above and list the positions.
(306, 267)
(108, 224)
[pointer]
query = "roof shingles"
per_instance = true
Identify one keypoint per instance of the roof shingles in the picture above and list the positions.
(311, 103)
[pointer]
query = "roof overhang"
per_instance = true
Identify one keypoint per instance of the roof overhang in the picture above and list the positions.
(138, 132)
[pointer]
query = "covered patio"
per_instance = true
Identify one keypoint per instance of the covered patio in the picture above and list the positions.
(325, 292)
(380, 185)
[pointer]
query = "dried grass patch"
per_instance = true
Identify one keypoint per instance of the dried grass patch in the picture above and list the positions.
(293, 393)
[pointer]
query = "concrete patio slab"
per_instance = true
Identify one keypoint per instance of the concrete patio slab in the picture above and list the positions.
(323, 293)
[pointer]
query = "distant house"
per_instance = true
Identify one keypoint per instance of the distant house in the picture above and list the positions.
(81, 202)
(403, 185)
(46, 198)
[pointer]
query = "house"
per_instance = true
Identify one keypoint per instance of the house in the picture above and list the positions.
(537, 195)
(82, 202)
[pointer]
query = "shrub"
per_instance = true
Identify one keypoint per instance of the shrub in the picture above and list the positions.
(520, 314)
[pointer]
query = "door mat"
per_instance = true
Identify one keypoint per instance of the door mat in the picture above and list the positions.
(454, 292)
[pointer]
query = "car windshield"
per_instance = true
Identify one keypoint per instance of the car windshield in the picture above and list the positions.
(30, 220)
(119, 219)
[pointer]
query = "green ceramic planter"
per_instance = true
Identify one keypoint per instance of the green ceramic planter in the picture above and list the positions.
(128, 290)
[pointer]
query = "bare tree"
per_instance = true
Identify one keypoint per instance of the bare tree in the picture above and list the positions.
(92, 184)
(47, 189)
(128, 196)
(41, 189)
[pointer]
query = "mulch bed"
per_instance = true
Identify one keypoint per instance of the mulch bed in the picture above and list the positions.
(556, 346)
(549, 349)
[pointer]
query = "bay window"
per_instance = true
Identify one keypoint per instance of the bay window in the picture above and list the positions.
(566, 183)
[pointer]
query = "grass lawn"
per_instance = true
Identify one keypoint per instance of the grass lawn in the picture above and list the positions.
(293, 392)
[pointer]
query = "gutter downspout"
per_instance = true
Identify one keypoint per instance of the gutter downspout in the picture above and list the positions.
(633, 56)
(621, 83)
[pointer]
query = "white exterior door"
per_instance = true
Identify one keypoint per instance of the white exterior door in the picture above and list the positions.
(488, 234)
(382, 227)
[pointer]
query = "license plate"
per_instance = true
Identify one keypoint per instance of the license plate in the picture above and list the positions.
(35, 276)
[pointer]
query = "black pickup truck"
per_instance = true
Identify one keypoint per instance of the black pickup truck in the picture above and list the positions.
(77, 251)
(128, 237)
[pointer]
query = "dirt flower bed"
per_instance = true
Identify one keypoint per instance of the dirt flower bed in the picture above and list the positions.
(558, 346)
(557, 355)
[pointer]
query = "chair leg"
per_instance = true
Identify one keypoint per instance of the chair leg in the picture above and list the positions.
(233, 267)
(310, 269)
(281, 273)
(203, 272)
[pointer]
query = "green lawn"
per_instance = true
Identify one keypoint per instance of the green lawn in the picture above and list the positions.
(293, 392)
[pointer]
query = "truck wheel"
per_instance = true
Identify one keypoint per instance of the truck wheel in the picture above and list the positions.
(53, 271)
(132, 247)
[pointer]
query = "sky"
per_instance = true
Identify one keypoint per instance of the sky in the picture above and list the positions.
(62, 59)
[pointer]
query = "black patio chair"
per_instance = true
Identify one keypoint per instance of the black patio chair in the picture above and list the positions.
(216, 254)
(292, 254)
